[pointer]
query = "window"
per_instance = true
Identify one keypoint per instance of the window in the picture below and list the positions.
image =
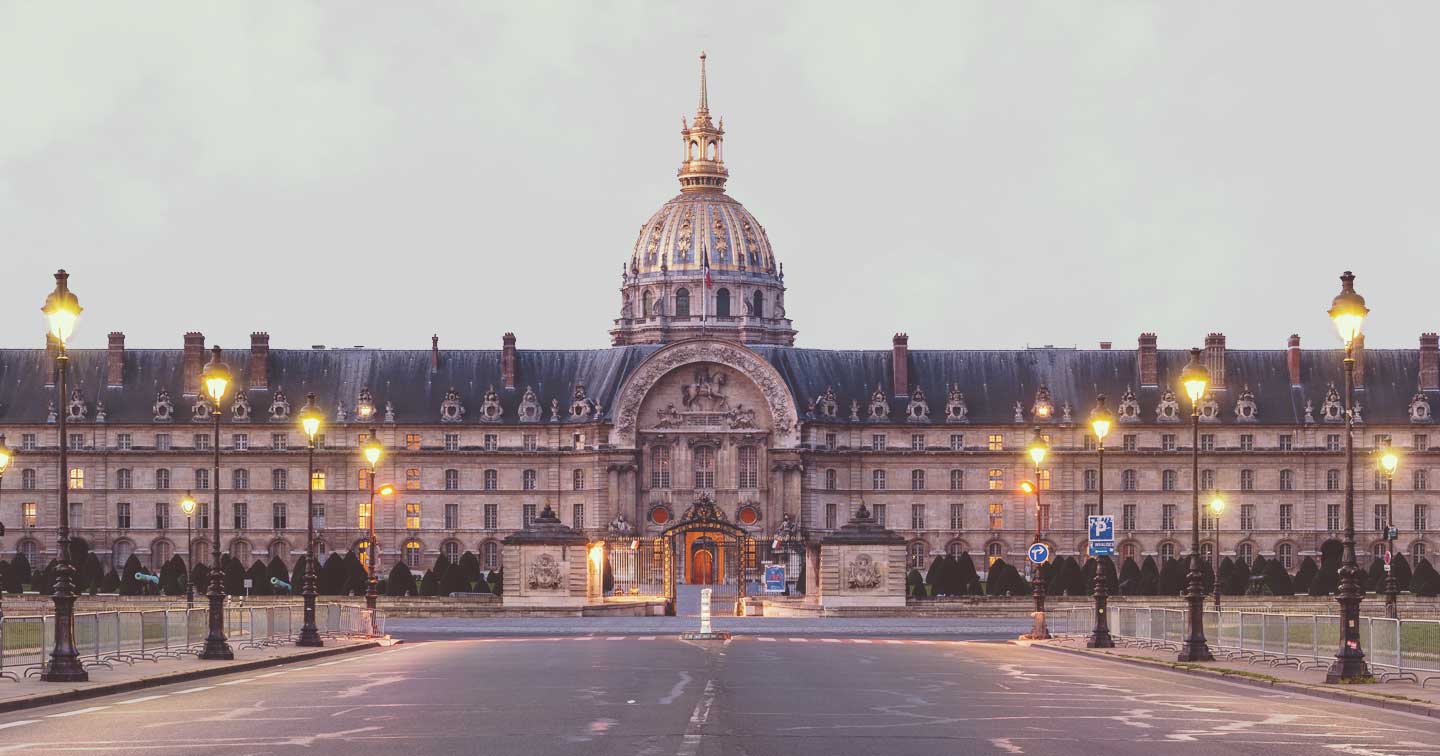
(830, 515)
(242, 515)
(77, 478)
(749, 467)
(957, 516)
(412, 554)
(1167, 517)
(1287, 516)
(1247, 480)
(1087, 442)
(412, 441)
(162, 516)
(996, 442)
(120, 553)
(660, 467)
(1091, 508)
(124, 480)
(412, 515)
(492, 442)
(362, 515)
(917, 516)
(880, 515)
(1090, 480)
(1247, 442)
(1332, 480)
(527, 515)
(1379, 480)
(877, 442)
(77, 514)
(957, 442)
(1207, 552)
(317, 480)
(577, 480)
(722, 303)
(27, 443)
(28, 514)
(529, 442)
(1129, 480)
(1422, 517)
(877, 480)
(279, 479)
(993, 552)
(917, 442)
(957, 480)
(240, 441)
(1167, 442)
(1417, 552)
(1421, 480)
(577, 515)
(527, 480)
(917, 480)
(682, 303)
(1127, 517)
(366, 480)
(1382, 517)
(1167, 551)
(490, 555)
(1207, 480)
(162, 478)
(27, 479)
(997, 516)
(1286, 553)
(492, 517)
(202, 441)
(1043, 479)
(1128, 442)
(915, 555)
(452, 480)
(122, 441)
(1382, 440)
(997, 479)
(1420, 442)
(239, 479)
(452, 443)
(1332, 517)
(1332, 442)
(279, 516)
(1167, 480)
(77, 440)
(319, 514)
(1246, 553)
(202, 517)
(451, 550)
(1247, 516)
(491, 480)
(412, 479)
(452, 516)
(122, 515)
(831, 441)
(1208, 520)
(1287, 480)
(831, 482)
(279, 442)
(704, 459)
(1207, 442)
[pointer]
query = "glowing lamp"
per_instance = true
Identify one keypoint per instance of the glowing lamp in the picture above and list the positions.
(1195, 377)
(187, 504)
(1100, 419)
(216, 378)
(1026, 487)
(386, 490)
(1348, 309)
(311, 417)
(1038, 447)
(1389, 460)
(5, 455)
(1217, 505)
(62, 308)
(372, 449)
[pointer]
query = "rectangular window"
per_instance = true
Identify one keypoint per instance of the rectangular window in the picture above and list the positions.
(831, 480)
(957, 516)
(317, 480)
(530, 442)
(1129, 480)
(1332, 442)
(452, 442)
(1167, 442)
(1207, 442)
(240, 479)
(831, 441)
(1127, 517)
(492, 442)
(279, 479)
(1207, 480)
(28, 514)
(917, 480)
(527, 481)
(452, 480)
(997, 479)
(77, 478)
(1332, 517)
(997, 516)
(279, 516)
(77, 514)
(242, 515)
(412, 441)
(1167, 517)
(124, 479)
(452, 516)
(362, 515)
(1382, 440)
(577, 515)
(996, 442)
(1247, 442)
(1129, 442)
(1332, 480)
(279, 442)
(1087, 442)
(412, 515)
(877, 480)
(1287, 516)
(830, 515)
(880, 515)
(162, 478)
(877, 442)
(1420, 480)
(202, 441)
(957, 480)
(1247, 480)
(1382, 517)
(28, 442)
(1207, 519)
(1421, 442)
(1168, 479)
(749, 472)
(917, 516)
(492, 517)
(957, 442)
(1287, 480)
(240, 441)
(527, 515)
(1043, 478)
(1091, 509)
(202, 515)
(1247, 516)
(917, 442)
(122, 441)
(162, 441)
(1287, 442)
(77, 440)
(412, 479)
(122, 515)
(492, 480)
(162, 516)
(1422, 518)
(319, 514)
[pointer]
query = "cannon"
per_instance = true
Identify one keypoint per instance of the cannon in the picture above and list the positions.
(142, 577)
(281, 584)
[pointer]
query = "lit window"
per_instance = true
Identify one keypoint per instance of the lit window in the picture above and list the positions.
(997, 516)
(412, 441)
(412, 554)
(362, 511)
(1043, 478)
(412, 515)
(412, 479)
(996, 442)
(77, 478)
(997, 479)
(317, 480)
(28, 514)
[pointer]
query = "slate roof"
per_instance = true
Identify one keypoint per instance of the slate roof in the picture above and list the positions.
(992, 380)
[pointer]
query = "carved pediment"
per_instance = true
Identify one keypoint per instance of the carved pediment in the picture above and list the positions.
(490, 409)
(1129, 409)
(529, 410)
(879, 406)
(918, 410)
(1246, 410)
(452, 410)
(279, 407)
(163, 409)
(956, 411)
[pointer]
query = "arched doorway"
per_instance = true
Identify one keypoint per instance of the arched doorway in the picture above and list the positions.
(704, 549)
(703, 560)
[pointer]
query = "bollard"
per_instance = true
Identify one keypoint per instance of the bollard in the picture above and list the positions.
(706, 632)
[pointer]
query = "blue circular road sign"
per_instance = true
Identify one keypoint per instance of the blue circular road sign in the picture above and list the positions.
(1039, 553)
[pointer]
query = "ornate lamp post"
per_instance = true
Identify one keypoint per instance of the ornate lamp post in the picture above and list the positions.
(1037, 449)
(1217, 508)
(373, 450)
(62, 309)
(187, 505)
(1101, 420)
(1389, 461)
(310, 419)
(215, 379)
(1348, 311)
(1195, 378)
(5, 458)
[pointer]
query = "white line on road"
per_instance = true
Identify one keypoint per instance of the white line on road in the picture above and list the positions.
(77, 711)
(690, 745)
(237, 682)
(195, 690)
(616, 637)
(647, 637)
(799, 640)
(141, 699)
(17, 723)
(272, 674)
(829, 640)
(770, 640)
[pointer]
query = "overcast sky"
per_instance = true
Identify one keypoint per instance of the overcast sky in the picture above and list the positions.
(979, 175)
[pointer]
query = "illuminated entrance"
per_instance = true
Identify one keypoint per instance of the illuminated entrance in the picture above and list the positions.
(703, 548)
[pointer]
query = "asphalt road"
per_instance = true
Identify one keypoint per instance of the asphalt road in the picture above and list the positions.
(767, 695)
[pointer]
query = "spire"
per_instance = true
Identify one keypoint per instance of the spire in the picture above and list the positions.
(704, 95)
(703, 166)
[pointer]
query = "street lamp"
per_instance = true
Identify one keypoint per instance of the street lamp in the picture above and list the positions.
(1036, 450)
(310, 421)
(1348, 311)
(373, 450)
(216, 379)
(62, 310)
(1389, 461)
(5, 457)
(187, 505)
(1217, 508)
(1101, 420)
(1195, 378)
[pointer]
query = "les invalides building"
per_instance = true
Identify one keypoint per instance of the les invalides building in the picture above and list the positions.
(705, 397)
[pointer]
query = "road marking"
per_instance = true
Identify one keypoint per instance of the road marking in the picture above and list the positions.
(858, 640)
(894, 642)
(237, 682)
(195, 690)
(799, 640)
(141, 699)
(77, 711)
(272, 674)
(8, 725)
(647, 637)
(829, 640)
(768, 640)
(616, 637)
(690, 744)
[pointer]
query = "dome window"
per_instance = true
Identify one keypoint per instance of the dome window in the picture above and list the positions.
(722, 303)
(682, 303)
(757, 308)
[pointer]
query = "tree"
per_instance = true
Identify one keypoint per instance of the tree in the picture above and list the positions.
(935, 576)
(172, 576)
(470, 570)
(401, 582)
(430, 584)
(1172, 578)
(1149, 577)
(1207, 575)
(46, 579)
(1277, 579)
(455, 582)
(79, 556)
(1327, 580)
(18, 576)
(1071, 581)
(1257, 576)
(356, 581)
(1130, 578)
(1238, 581)
(111, 582)
(1425, 581)
(497, 581)
(800, 578)
(1305, 575)
(297, 575)
(129, 585)
(1087, 575)
(1400, 566)
(234, 575)
(1374, 578)
(276, 569)
(332, 576)
(200, 577)
(915, 585)
(259, 576)
(969, 578)
(91, 573)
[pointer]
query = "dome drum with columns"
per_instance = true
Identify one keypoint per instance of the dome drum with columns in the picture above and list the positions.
(702, 264)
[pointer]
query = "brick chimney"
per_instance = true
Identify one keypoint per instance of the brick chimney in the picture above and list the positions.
(1105, 346)
(1292, 358)
(434, 352)
(900, 361)
(1359, 353)
(1215, 360)
(115, 360)
(193, 362)
(507, 360)
(1429, 362)
(259, 361)
(1148, 361)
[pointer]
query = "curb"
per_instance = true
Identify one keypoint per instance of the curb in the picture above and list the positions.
(108, 689)
(1221, 673)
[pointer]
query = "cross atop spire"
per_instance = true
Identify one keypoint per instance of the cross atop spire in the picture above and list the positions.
(703, 166)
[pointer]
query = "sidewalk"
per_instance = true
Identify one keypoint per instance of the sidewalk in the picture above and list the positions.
(31, 692)
(1397, 695)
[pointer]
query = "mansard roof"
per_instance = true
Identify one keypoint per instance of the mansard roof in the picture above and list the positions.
(991, 380)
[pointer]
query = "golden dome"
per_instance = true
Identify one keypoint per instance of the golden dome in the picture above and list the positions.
(695, 225)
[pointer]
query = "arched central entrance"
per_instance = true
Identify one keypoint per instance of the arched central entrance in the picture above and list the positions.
(703, 549)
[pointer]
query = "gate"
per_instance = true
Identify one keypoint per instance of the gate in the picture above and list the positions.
(704, 548)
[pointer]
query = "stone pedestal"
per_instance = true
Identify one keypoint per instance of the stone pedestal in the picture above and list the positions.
(546, 565)
(862, 565)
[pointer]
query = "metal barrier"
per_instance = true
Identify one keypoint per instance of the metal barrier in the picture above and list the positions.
(1395, 649)
(104, 639)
